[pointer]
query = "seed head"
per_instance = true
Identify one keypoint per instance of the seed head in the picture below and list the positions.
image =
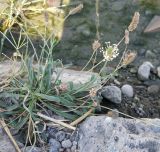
(76, 9)
(96, 45)
(93, 92)
(129, 57)
(134, 22)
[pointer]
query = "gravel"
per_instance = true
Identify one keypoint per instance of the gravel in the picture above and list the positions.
(127, 90)
(60, 135)
(112, 93)
(66, 143)
(54, 145)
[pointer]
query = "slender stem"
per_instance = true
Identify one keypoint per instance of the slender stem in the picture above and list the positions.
(97, 20)
(96, 65)
(103, 67)
(89, 60)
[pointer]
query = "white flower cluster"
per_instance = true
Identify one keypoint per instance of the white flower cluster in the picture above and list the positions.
(110, 51)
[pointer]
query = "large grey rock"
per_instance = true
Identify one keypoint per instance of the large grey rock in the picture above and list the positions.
(144, 71)
(105, 134)
(112, 93)
(5, 143)
(9, 68)
(127, 90)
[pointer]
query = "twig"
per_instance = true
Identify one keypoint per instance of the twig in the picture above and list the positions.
(82, 117)
(56, 121)
(9, 135)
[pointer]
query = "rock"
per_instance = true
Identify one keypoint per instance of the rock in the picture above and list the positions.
(158, 71)
(140, 111)
(153, 89)
(32, 149)
(66, 75)
(142, 52)
(144, 71)
(104, 134)
(54, 145)
(66, 143)
(73, 148)
(133, 70)
(84, 30)
(60, 135)
(112, 93)
(117, 82)
(150, 54)
(127, 90)
(74, 143)
(5, 143)
(118, 5)
(154, 25)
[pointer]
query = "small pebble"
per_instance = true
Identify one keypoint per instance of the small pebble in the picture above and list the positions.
(150, 54)
(158, 71)
(144, 71)
(112, 93)
(127, 90)
(133, 70)
(60, 135)
(140, 111)
(54, 145)
(66, 143)
(117, 82)
(153, 89)
(74, 143)
(73, 148)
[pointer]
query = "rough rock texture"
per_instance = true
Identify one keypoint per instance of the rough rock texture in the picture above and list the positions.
(127, 90)
(144, 71)
(32, 149)
(112, 93)
(158, 71)
(105, 134)
(5, 143)
(66, 75)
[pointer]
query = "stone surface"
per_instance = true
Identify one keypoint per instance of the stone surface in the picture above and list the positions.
(60, 135)
(150, 54)
(77, 77)
(127, 90)
(144, 71)
(158, 71)
(112, 93)
(32, 149)
(154, 25)
(54, 145)
(66, 143)
(105, 134)
(153, 89)
(66, 75)
(5, 143)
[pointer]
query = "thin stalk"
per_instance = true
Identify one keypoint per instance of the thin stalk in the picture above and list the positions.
(96, 65)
